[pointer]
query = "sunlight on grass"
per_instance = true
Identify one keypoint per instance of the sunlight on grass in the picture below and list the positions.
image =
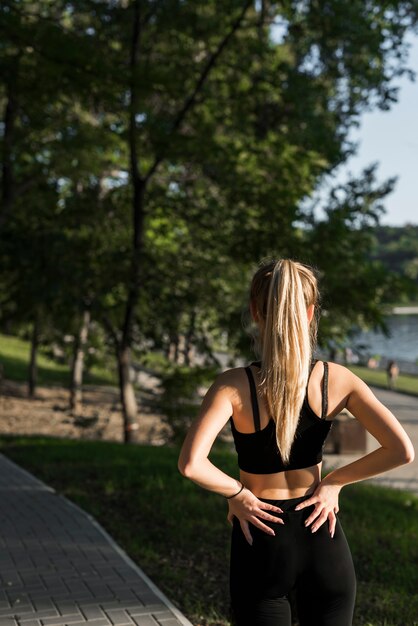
(14, 356)
(178, 532)
(405, 383)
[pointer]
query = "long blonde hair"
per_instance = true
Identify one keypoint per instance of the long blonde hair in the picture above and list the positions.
(280, 293)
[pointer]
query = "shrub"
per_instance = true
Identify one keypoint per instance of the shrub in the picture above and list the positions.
(182, 389)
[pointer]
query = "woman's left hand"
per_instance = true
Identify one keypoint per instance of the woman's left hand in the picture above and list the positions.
(325, 499)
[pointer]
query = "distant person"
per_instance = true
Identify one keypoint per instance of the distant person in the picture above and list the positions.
(392, 371)
(286, 534)
(372, 363)
(348, 355)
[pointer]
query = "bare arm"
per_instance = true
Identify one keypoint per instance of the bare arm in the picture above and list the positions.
(395, 448)
(194, 464)
(193, 461)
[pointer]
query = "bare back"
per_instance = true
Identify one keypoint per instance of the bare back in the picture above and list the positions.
(296, 482)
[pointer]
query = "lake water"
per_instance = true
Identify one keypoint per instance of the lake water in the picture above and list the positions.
(402, 344)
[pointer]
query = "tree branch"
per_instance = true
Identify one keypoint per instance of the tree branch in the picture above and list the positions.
(191, 100)
(110, 329)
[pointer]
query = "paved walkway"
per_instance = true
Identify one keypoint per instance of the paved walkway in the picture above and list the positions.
(58, 566)
(405, 408)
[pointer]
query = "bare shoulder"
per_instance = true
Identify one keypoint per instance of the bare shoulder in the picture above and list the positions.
(343, 382)
(341, 376)
(229, 381)
(358, 397)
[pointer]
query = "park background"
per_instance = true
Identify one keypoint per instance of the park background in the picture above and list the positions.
(153, 152)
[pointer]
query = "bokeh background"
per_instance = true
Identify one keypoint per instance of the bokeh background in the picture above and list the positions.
(153, 153)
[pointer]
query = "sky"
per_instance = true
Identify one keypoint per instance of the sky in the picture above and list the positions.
(391, 138)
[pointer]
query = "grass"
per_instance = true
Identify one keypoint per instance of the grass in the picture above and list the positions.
(14, 356)
(405, 383)
(178, 532)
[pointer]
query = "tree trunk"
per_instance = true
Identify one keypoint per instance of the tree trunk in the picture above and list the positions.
(176, 341)
(139, 185)
(9, 122)
(127, 395)
(166, 349)
(33, 357)
(189, 338)
(76, 393)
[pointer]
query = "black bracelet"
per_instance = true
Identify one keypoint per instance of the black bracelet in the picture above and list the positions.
(235, 494)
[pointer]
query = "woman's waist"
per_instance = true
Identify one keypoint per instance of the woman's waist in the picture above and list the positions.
(283, 485)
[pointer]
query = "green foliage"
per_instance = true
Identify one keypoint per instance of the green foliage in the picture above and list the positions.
(180, 399)
(178, 532)
(14, 354)
(356, 285)
(236, 123)
(397, 248)
(406, 383)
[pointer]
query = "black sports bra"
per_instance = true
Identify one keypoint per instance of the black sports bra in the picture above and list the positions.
(258, 452)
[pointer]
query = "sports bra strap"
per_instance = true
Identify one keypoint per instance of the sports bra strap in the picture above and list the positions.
(325, 392)
(254, 402)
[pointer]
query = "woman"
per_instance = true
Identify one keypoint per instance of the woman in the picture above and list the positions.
(286, 534)
(392, 371)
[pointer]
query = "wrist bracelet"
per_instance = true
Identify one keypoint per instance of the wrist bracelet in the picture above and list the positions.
(235, 494)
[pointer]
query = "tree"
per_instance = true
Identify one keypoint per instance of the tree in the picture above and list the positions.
(250, 103)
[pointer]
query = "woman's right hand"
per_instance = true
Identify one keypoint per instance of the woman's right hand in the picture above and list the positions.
(248, 508)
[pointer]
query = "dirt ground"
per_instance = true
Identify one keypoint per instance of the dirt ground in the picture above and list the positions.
(48, 414)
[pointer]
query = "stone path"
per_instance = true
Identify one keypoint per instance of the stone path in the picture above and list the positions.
(405, 409)
(59, 567)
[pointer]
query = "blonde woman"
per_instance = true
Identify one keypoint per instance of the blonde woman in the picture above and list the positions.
(285, 528)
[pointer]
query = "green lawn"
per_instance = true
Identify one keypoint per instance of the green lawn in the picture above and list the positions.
(14, 356)
(405, 383)
(178, 532)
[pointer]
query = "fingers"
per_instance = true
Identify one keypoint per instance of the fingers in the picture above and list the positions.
(263, 506)
(313, 515)
(257, 522)
(319, 521)
(246, 530)
(318, 517)
(332, 521)
(269, 507)
(269, 518)
(305, 503)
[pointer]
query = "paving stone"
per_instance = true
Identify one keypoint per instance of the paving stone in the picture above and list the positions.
(67, 607)
(59, 567)
(163, 615)
(92, 613)
(152, 609)
(61, 619)
(146, 620)
(96, 622)
(118, 604)
(119, 617)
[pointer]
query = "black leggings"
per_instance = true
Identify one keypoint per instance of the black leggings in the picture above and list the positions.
(319, 569)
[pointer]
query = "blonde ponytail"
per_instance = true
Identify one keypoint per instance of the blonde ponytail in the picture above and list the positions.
(281, 292)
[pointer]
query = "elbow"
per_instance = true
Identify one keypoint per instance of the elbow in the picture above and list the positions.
(409, 454)
(185, 468)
